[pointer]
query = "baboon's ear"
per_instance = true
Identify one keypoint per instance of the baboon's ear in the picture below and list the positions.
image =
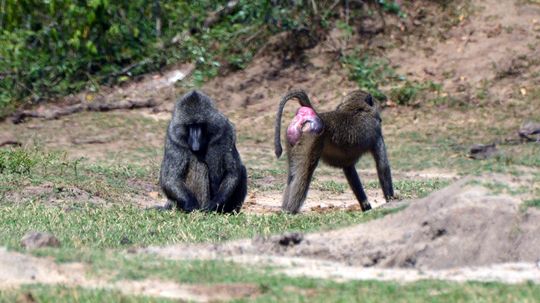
(369, 100)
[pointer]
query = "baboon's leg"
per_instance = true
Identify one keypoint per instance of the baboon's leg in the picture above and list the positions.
(383, 169)
(303, 159)
(296, 190)
(356, 186)
(234, 204)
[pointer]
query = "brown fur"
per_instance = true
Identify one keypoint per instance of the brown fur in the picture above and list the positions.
(351, 130)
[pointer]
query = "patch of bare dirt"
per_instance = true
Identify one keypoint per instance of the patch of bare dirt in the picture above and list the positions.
(146, 194)
(304, 267)
(49, 193)
(262, 202)
(463, 225)
(189, 292)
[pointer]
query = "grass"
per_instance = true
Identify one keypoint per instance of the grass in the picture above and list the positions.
(32, 167)
(531, 203)
(119, 226)
(446, 147)
(279, 288)
(369, 74)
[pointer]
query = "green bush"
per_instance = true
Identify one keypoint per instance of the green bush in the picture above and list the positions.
(56, 47)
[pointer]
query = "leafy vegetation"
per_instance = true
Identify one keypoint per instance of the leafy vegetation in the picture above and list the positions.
(374, 74)
(56, 47)
(369, 74)
(410, 91)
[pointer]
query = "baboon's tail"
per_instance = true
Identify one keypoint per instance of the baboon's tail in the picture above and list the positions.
(304, 101)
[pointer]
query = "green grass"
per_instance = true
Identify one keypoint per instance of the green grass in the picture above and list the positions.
(416, 151)
(330, 186)
(369, 73)
(32, 167)
(80, 226)
(531, 203)
(409, 189)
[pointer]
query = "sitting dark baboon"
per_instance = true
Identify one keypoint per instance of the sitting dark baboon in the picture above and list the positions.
(201, 167)
(340, 137)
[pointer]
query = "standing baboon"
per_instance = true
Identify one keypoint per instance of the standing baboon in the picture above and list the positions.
(201, 167)
(340, 137)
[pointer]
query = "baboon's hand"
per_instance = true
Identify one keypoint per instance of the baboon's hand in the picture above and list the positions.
(190, 205)
(210, 207)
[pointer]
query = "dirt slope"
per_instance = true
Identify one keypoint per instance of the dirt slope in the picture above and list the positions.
(496, 49)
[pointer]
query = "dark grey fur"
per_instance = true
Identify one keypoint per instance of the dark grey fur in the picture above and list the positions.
(351, 130)
(201, 166)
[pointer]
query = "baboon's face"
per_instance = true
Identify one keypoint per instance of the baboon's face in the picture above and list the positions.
(305, 121)
(197, 137)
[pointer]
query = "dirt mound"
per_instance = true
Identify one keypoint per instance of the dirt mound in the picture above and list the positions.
(462, 225)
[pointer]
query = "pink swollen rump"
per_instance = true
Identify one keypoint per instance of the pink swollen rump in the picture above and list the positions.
(305, 121)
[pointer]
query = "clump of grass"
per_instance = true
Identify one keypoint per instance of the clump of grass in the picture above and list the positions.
(22, 167)
(17, 161)
(410, 91)
(531, 203)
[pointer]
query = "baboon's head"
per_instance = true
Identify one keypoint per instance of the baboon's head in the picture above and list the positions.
(360, 102)
(195, 120)
(194, 108)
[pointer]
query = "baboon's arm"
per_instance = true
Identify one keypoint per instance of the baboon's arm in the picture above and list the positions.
(173, 171)
(230, 181)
